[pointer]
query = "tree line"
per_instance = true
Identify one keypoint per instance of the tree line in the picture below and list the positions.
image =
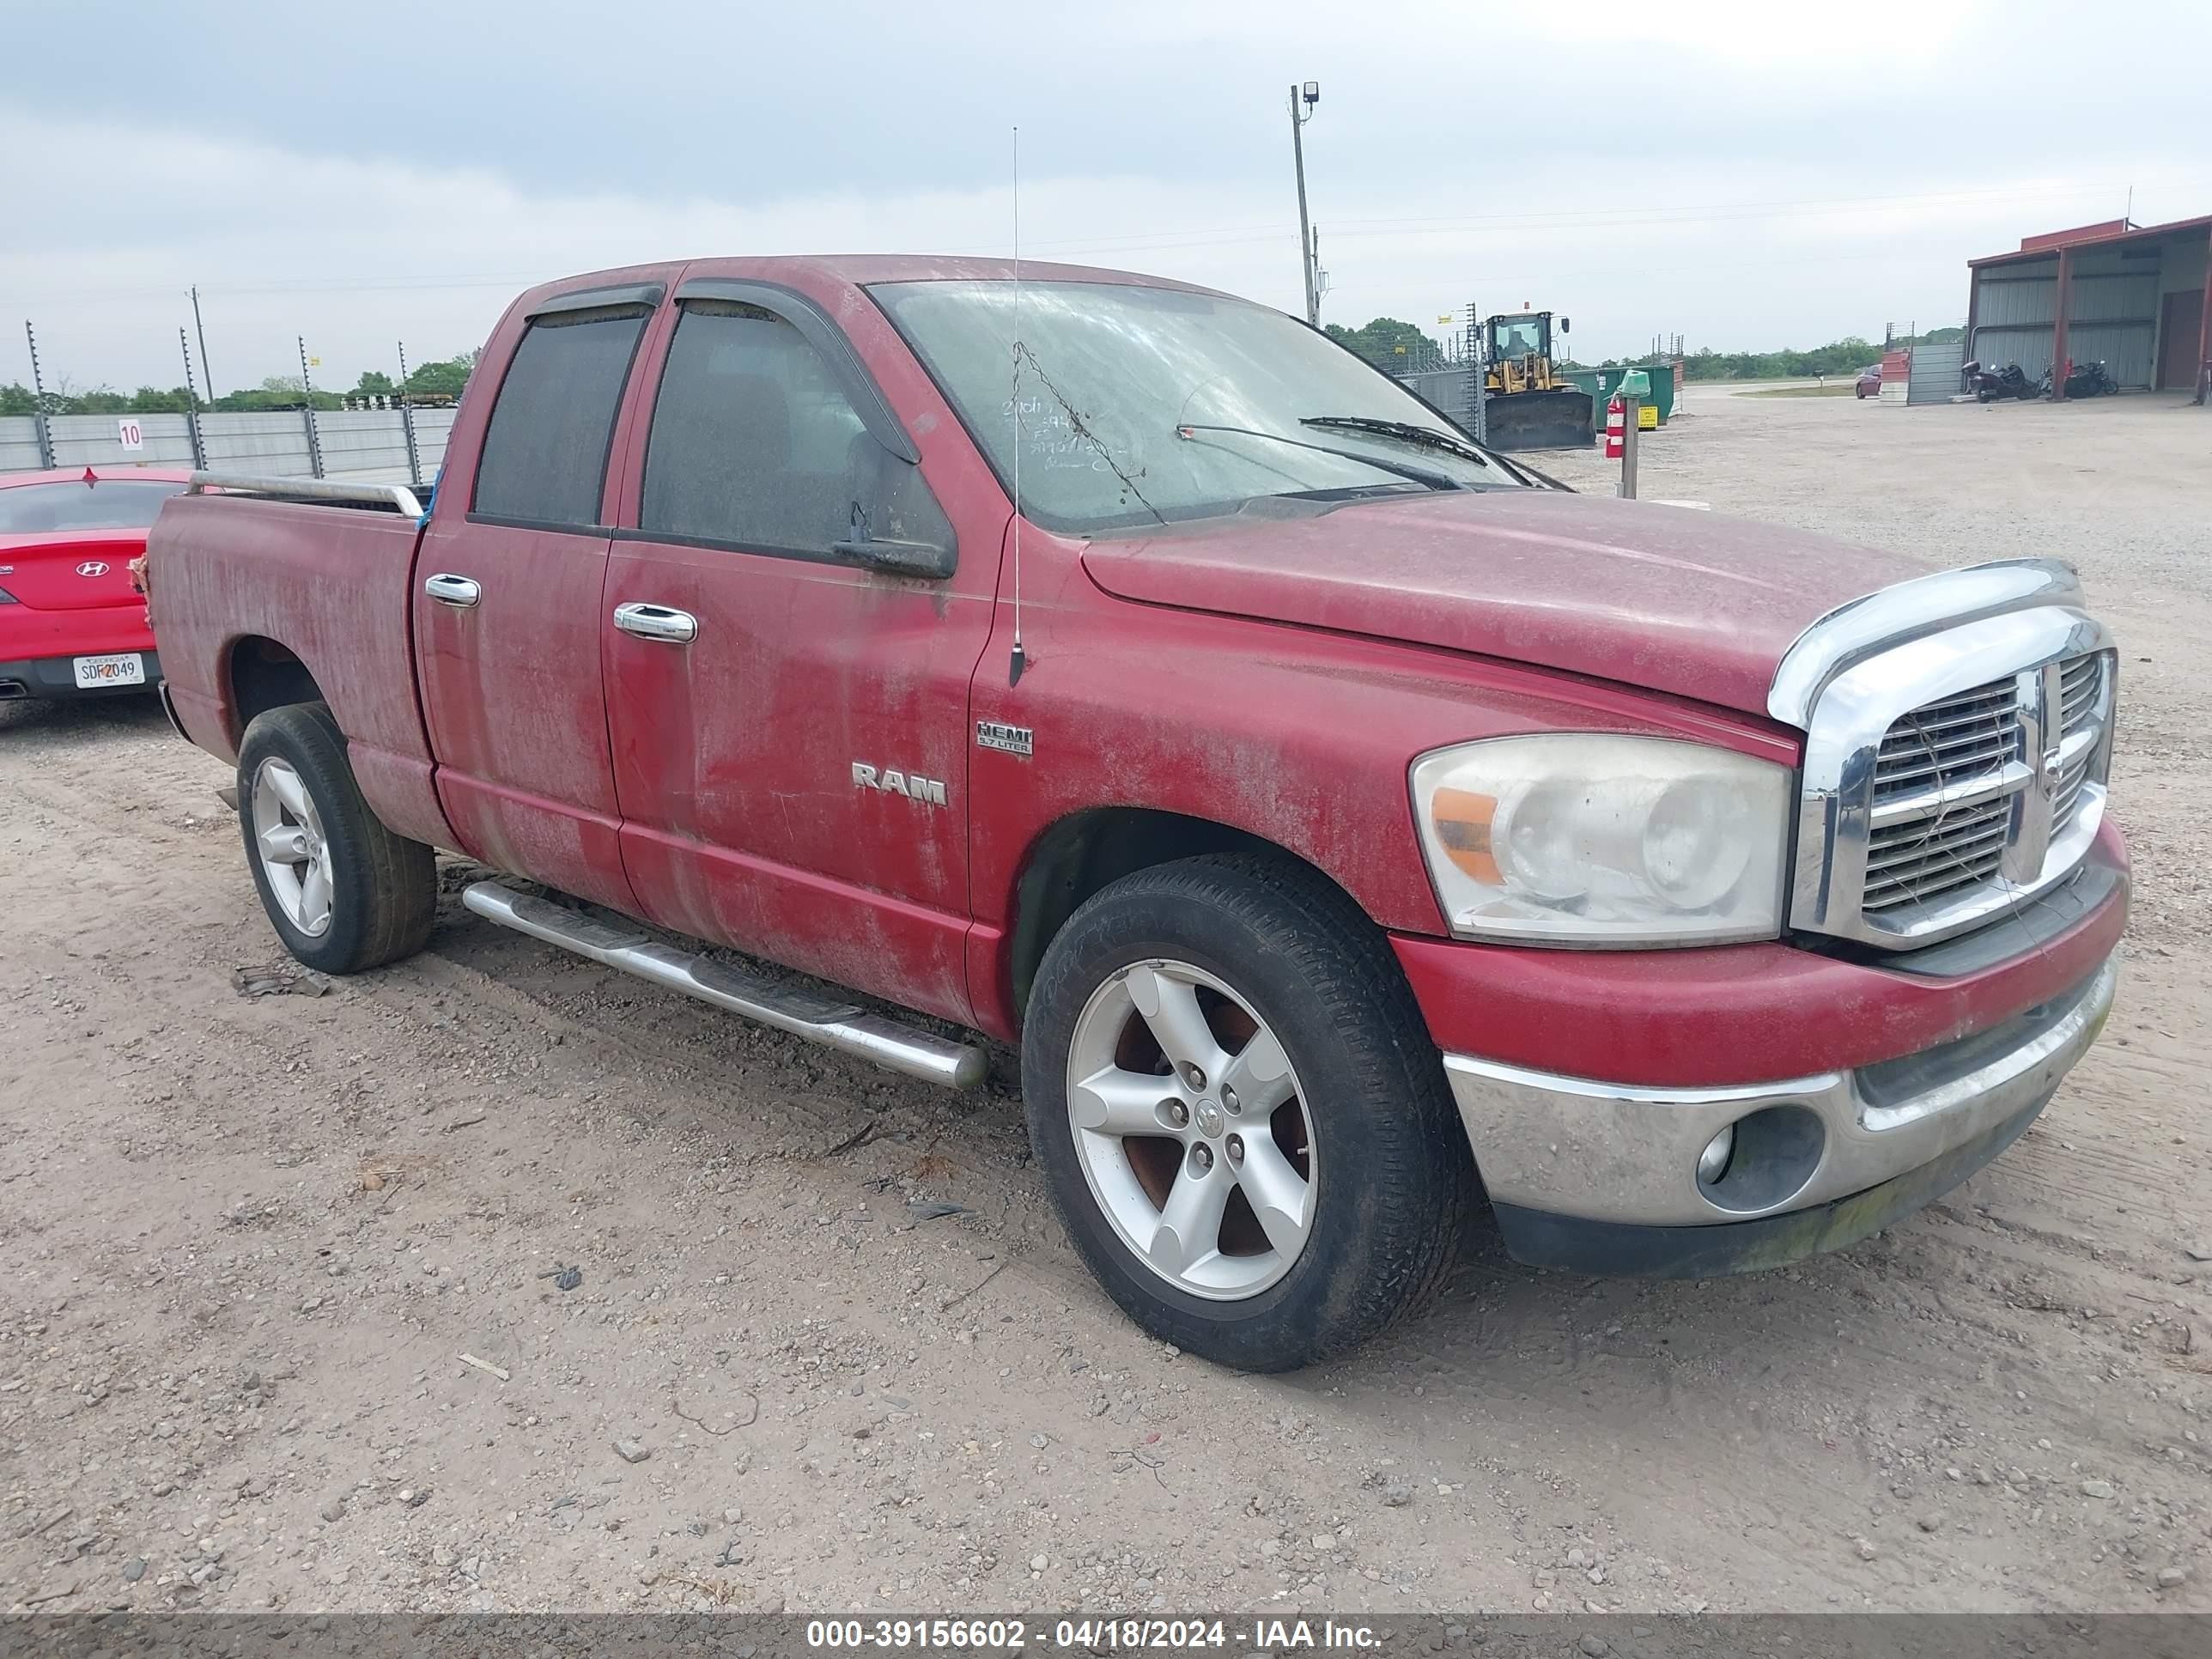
(1401, 347)
(441, 379)
(1838, 357)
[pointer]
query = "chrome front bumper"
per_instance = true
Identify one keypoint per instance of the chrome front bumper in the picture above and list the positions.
(1607, 1152)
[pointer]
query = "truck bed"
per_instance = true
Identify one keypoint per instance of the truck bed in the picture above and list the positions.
(248, 591)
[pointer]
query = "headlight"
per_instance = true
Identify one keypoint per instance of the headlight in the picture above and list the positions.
(1578, 838)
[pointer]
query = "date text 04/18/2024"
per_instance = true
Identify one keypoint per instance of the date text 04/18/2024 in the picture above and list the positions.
(1090, 1635)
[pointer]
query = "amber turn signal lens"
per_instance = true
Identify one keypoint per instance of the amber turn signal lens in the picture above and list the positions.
(1462, 820)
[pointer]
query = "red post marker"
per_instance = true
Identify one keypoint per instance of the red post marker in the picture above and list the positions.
(1616, 418)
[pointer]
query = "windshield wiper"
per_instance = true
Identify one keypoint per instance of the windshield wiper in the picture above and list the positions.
(1419, 474)
(1426, 436)
(1429, 437)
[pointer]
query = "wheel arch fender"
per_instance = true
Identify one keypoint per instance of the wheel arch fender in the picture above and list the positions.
(259, 673)
(1080, 853)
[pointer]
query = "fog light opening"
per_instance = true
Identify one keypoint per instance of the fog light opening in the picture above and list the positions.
(1762, 1160)
(1713, 1162)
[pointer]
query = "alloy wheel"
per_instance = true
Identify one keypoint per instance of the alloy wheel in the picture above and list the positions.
(295, 858)
(1191, 1130)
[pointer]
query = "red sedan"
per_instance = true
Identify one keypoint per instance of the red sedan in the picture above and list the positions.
(71, 623)
(1868, 383)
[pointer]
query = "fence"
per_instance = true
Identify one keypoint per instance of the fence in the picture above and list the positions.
(368, 444)
(1420, 356)
(1934, 376)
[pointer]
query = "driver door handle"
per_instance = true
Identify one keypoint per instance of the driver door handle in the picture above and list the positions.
(459, 592)
(657, 622)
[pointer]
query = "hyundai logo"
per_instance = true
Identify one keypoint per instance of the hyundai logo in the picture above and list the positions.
(92, 568)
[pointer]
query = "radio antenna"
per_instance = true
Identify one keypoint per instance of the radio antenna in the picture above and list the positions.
(1019, 661)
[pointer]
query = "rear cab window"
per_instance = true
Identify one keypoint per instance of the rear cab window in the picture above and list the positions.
(547, 443)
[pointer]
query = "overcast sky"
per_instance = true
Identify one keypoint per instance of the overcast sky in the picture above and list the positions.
(1747, 175)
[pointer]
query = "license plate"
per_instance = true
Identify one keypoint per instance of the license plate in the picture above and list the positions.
(116, 668)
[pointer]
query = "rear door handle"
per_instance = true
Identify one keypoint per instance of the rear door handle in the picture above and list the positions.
(459, 592)
(657, 622)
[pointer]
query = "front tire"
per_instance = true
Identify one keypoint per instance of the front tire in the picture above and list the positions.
(343, 891)
(1244, 1124)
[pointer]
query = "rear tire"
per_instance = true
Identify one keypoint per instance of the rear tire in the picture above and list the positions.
(1361, 1230)
(343, 892)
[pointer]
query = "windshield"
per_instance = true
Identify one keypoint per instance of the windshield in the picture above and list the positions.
(108, 504)
(1516, 339)
(1125, 392)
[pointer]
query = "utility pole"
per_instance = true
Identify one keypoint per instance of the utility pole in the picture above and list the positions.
(1309, 96)
(206, 371)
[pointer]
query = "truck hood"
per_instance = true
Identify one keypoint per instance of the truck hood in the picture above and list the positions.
(1665, 597)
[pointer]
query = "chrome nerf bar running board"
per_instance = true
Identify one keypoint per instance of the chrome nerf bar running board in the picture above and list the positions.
(844, 1026)
(398, 497)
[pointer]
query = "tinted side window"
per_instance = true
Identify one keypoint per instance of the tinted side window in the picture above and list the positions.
(545, 448)
(754, 442)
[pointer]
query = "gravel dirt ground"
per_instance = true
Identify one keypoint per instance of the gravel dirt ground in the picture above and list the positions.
(246, 1241)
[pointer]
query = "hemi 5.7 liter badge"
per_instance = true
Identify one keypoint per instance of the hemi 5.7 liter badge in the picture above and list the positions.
(996, 734)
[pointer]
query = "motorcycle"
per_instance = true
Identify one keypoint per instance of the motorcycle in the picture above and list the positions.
(2091, 380)
(2085, 380)
(1988, 385)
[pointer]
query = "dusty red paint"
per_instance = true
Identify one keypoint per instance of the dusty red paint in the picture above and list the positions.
(1278, 679)
(1737, 1014)
(1692, 603)
(732, 757)
(331, 585)
(1301, 736)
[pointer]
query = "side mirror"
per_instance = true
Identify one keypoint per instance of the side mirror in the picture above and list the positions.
(894, 558)
(898, 558)
(1565, 325)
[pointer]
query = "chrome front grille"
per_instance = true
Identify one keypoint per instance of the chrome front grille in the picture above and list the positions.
(1942, 742)
(1913, 865)
(1949, 774)
(2081, 697)
(1934, 755)
(2079, 683)
(1958, 737)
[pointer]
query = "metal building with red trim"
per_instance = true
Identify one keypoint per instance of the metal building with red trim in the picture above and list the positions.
(2137, 297)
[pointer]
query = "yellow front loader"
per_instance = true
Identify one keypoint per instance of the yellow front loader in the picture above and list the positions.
(1528, 406)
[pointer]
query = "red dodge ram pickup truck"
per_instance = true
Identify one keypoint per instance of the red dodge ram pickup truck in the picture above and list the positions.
(1344, 823)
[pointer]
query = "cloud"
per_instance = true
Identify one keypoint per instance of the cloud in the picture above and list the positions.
(1747, 176)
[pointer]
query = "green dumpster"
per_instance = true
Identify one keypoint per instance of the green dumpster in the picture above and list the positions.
(1602, 383)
